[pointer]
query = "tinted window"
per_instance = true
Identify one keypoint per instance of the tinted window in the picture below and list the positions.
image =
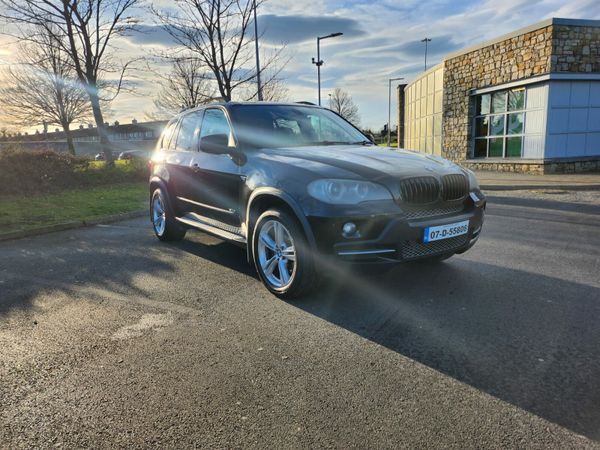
(215, 122)
(277, 126)
(167, 134)
(187, 138)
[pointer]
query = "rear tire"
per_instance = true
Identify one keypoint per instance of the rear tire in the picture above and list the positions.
(164, 224)
(282, 256)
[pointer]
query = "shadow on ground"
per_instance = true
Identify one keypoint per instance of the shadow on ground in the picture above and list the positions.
(530, 340)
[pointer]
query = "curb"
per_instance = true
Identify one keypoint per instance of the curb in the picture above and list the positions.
(529, 187)
(72, 225)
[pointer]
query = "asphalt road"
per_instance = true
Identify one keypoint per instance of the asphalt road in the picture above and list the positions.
(109, 338)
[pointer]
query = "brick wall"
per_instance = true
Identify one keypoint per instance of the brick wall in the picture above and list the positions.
(510, 60)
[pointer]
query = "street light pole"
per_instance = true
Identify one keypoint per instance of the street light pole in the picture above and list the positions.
(260, 94)
(389, 135)
(318, 62)
(426, 40)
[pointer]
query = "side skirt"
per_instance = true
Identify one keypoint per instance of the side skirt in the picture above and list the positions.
(214, 227)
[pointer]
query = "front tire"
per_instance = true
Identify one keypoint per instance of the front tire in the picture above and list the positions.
(282, 256)
(163, 220)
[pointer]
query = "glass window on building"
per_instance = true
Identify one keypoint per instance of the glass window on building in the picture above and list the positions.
(499, 124)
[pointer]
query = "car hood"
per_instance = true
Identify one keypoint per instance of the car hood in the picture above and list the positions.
(379, 164)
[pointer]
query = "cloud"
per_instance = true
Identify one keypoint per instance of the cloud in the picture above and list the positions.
(147, 34)
(439, 45)
(295, 29)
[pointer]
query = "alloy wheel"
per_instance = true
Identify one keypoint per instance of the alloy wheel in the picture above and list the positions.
(276, 254)
(159, 218)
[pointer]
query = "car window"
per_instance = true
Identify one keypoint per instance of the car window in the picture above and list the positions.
(280, 126)
(173, 140)
(167, 134)
(187, 138)
(327, 130)
(215, 122)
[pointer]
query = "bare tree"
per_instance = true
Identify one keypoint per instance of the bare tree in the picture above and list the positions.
(218, 33)
(273, 90)
(186, 86)
(85, 30)
(42, 89)
(341, 102)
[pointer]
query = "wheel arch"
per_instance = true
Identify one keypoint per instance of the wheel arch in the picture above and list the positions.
(264, 198)
(158, 182)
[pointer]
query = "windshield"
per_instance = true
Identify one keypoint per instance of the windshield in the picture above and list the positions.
(277, 126)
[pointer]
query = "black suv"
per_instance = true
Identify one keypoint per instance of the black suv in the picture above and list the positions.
(305, 190)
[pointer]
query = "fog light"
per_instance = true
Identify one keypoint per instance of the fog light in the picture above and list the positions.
(349, 230)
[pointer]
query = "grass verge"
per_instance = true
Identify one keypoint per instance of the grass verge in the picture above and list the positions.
(19, 213)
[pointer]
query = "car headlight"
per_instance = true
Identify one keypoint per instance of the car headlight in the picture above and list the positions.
(473, 183)
(347, 192)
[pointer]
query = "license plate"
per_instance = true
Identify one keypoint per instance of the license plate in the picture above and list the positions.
(445, 231)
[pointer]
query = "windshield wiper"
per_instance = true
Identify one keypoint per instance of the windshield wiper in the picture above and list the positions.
(361, 143)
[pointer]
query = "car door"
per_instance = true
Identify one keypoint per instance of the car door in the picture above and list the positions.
(184, 145)
(216, 180)
(172, 163)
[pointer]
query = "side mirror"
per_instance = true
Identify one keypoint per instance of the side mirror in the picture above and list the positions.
(215, 143)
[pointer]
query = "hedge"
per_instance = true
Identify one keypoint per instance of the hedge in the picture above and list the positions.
(37, 172)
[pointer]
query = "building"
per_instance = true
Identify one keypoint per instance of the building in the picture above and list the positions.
(528, 101)
(130, 136)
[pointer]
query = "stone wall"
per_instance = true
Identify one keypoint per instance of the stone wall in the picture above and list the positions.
(576, 49)
(535, 167)
(513, 59)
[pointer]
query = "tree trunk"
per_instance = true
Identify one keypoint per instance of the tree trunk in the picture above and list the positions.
(69, 137)
(102, 132)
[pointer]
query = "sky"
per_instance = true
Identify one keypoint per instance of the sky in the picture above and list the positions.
(382, 40)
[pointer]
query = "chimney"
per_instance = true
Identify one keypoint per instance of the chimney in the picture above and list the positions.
(134, 121)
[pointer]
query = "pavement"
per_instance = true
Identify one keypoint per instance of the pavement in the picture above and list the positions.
(501, 181)
(112, 339)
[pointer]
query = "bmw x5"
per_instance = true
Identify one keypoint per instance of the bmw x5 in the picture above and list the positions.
(302, 189)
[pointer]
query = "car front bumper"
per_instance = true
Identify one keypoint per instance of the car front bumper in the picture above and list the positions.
(394, 238)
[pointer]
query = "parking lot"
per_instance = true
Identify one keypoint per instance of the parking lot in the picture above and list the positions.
(110, 338)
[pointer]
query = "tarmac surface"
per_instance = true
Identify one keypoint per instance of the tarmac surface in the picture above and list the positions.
(501, 181)
(109, 338)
